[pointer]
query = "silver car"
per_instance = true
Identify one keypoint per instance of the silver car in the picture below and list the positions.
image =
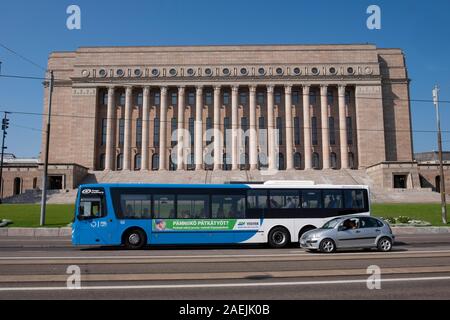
(349, 232)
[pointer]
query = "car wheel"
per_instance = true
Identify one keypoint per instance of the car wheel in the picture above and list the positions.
(384, 244)
(279, 238)
(135, 239)
(327, 246)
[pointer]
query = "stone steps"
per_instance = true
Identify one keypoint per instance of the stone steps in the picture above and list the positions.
(337, 177)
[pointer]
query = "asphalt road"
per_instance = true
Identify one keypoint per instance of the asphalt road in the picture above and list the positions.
(418, 268)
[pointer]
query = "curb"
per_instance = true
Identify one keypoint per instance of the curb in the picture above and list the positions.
(420, 230)
(35, 232)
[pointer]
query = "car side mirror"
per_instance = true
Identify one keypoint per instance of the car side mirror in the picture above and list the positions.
(342, 228)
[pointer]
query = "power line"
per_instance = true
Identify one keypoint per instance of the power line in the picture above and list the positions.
(23, 57)
(318, 128)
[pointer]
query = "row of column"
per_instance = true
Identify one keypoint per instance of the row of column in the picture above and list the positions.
(253, 139)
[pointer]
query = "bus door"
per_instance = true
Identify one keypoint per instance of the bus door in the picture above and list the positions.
(92, 224)
(257, 209)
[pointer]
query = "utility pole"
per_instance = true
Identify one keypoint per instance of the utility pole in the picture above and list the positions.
(47, 146)
(5, 126)
(441, 161)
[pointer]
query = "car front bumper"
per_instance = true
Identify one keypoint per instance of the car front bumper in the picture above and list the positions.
(312, 244)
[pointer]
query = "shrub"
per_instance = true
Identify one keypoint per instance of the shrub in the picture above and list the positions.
(403, 219)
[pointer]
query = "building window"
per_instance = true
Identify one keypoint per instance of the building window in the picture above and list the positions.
(122, 99)
(138, 132)
(155, 162)
(227, 127)
(121, 131)
(191, 130)
(332, 132)
(351, 160)
(119, 164)
(280, 130)
(245, 127)
(244, 161)
(226, 162)
(102, 162)
(296, 97)
(226, 98)
(191, 99)
(312, 97)
(191, 162)
(35, 183)
(156, 126)
(347, 97)
(297, 161)
(140, 99)
(333, 160)
(172, 164)
(297, 131)
(330, 98)
(316, 161)
(262, 123)
(208, 98)
(278, 97)
(137, 162)
(209, 135)
(174, 128)
(314, 134)
(243, 98)
(281, 163)
(157, 99)
(105, 99)
(174, 98)
(349, 131)
(104, 130)
(261, 98)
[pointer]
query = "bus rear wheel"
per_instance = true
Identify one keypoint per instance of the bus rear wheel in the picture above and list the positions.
(135, 239)
(279, 238)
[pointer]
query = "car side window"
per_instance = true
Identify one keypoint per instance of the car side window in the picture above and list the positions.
(369, 223)
(351, 224)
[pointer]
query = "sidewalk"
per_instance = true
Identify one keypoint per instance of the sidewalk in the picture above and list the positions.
(67, 232)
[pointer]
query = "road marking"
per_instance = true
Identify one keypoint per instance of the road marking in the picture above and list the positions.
(220, 275)
(224, 285)
(215, 258)
(303, 254)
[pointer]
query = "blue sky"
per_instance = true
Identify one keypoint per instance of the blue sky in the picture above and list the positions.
(35, 28)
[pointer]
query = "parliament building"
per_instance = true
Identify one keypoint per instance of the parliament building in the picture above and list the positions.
(269, 111)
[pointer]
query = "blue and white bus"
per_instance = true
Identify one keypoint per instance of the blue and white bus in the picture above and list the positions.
(275, 213)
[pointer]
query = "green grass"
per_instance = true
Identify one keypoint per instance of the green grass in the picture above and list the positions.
(28, 216)
(430, 212)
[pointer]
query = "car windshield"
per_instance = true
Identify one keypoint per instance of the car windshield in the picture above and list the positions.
(331, 224)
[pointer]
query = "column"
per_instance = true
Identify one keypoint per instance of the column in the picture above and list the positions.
(234, 127)
(289, 128)
(127, 129)
(111, 116)
(180, 135)
(217, 134)
(198, 146)
(253, 159)
(343, 128)
(271, 128)
(325, 129)
(163, 131)
(145, 128)
(307, 127)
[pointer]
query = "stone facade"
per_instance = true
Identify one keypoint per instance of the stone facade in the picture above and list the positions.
(318, 107)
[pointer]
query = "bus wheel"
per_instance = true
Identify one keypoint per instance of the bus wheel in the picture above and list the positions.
(279, 238)
(135, 239)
